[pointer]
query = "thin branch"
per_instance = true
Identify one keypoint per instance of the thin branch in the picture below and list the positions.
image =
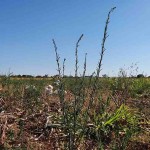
(57, 58)
(103, 42)
(95, 86)
(64, 66)
(76, 55)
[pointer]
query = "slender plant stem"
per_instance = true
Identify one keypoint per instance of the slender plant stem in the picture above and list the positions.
(95, 86)
(76, 55)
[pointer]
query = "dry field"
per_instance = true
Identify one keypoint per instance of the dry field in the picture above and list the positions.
(116, 117)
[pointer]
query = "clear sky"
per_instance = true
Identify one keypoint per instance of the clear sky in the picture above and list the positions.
(27, 28)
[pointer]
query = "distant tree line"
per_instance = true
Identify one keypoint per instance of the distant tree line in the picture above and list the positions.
(65, 76)
(26, 76)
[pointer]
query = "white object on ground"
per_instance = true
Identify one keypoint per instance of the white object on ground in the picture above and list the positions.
(49, 90)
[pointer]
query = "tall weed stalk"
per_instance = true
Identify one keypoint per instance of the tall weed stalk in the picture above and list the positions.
(81, 121)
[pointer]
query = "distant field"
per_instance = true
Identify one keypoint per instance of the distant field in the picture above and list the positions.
(22, 78)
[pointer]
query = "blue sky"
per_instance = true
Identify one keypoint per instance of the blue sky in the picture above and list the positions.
(27, 28)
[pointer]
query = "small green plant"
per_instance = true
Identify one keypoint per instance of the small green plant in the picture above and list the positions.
(31, 98)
